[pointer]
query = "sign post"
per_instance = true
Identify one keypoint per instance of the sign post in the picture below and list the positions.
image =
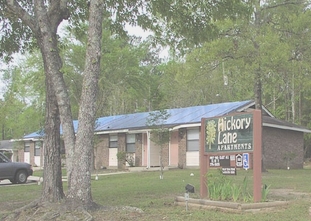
(257, 155)
(238, 134)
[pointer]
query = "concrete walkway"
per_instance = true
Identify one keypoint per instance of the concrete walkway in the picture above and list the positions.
(38, 180)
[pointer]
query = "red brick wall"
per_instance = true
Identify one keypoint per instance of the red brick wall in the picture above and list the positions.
(101, 152)
(277, 144)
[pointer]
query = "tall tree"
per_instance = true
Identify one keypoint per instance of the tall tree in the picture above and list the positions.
(39, 20)
(81, 174)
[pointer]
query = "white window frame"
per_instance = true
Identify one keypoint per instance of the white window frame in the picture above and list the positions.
(113, 141)
(130, 143)
(27, 147)
(38, 145)
(193, 140)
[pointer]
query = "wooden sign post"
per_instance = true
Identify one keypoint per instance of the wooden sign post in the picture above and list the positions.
(239, 134)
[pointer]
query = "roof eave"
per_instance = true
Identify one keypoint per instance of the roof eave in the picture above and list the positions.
(251, 104)
(287, 128)
(111, 131)
(186, 126)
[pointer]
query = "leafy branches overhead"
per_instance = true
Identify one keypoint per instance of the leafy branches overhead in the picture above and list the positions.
(194, 21)
(178, 23)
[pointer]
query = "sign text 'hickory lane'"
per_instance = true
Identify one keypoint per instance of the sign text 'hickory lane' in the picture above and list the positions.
(229, 134)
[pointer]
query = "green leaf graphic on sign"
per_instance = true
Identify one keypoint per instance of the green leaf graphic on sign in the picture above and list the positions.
(210, 133)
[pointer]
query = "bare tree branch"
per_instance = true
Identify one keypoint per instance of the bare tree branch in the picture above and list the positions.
(282, 4)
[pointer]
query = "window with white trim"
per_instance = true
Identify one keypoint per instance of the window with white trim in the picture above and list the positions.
(27, 147)
(193, 139)
(130, 143)
(113, 141)
(38, 145)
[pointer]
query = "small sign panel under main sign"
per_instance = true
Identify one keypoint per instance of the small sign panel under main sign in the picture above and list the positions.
(245, 161)
(219, 161)
(214, 161)
(239, 160)
(228, 170)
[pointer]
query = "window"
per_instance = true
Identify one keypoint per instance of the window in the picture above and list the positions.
(193, 140)
(113, 141)
(130, 143)
(38, 145)
(27, 147)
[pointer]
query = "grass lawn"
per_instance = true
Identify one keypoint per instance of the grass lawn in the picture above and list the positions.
(155, 197)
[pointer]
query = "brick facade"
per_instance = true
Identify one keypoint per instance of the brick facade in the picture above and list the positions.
(280, 144)
(101, 152)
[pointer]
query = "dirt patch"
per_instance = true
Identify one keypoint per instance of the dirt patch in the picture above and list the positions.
(287, 194)
(56, 212)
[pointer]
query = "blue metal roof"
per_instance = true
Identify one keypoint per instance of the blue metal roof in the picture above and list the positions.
(177, 116)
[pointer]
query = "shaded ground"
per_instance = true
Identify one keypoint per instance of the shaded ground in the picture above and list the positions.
(56, 212)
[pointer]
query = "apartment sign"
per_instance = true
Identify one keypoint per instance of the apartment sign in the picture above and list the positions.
(229, 134)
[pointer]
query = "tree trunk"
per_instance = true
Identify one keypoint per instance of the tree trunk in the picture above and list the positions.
(80, 190)
(293, 99)
(47, 40)
(258, 86)
(44, 21)
(52, 190)
(258, 81)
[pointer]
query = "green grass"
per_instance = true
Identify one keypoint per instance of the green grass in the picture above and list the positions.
(156, 197)
(39, 172)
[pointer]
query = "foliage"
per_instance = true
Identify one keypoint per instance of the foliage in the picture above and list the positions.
(22, 106)
(219, 70)
(264, 192)
(246, 196)
(288, 157)
(156, 120)
(124, 57)
(160, 134)
(125, 157)
(236, 191)
(221, 187)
